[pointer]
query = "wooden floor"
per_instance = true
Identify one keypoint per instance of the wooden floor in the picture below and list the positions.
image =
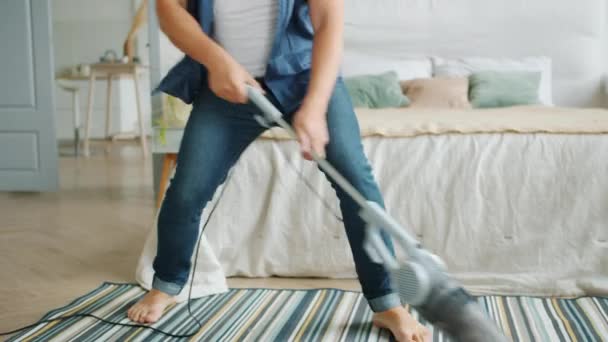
(57, 246)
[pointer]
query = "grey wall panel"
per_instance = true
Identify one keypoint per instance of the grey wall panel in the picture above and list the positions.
(28, 148)
(19, 151)
(16, 55)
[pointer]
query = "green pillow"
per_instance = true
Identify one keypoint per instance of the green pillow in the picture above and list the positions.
(490, 89)
(376, 91)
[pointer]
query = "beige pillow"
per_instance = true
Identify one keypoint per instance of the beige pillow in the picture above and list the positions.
(439, 92)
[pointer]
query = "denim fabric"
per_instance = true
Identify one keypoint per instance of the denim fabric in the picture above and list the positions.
(216, 134)
(288, 70)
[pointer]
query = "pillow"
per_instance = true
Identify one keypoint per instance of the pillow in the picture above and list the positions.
(440, 92)
(502, 89)
(356, 63)
(376, 91)
(467, 66)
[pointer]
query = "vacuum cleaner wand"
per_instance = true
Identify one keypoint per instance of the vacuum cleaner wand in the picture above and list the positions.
(422, 280)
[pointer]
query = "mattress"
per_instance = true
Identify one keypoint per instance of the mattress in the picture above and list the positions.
(411, 122)
(509, 212)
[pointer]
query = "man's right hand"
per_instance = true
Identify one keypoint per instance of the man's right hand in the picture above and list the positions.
(227, 79)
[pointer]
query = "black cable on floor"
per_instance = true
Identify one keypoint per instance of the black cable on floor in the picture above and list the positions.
(198, 244)
(131, 325)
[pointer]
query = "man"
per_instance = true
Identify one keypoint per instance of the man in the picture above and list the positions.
(291, 49)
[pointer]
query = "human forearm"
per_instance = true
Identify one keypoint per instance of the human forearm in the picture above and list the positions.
(309, 122)
(227, 78)
(327, 17)
(186, 34)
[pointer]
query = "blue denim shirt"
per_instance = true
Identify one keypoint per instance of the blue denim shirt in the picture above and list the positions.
(288, 71)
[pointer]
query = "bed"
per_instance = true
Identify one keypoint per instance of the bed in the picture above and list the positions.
(514, 200)
(513, 203)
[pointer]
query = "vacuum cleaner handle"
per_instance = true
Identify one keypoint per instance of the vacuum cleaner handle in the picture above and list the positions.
(422, 280)
(370, 212)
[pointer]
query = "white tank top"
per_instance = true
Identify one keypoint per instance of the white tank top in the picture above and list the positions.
(246, 30)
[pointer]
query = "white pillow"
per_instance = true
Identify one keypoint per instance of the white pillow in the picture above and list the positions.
(467, 66)
(356, 63)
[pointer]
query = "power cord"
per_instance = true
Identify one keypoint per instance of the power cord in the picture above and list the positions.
(130, 325)
(198, 244)
(326, 204)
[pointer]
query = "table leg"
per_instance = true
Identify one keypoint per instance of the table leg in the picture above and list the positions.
(108, 113)
(142, 131)
(76, 109)
(87, 126)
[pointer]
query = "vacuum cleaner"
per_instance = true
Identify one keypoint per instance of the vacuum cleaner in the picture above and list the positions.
(422, 280)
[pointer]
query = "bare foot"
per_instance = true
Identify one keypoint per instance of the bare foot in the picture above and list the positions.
(151, 307)
(403, 326)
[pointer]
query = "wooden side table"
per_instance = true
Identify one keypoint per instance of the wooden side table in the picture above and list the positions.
(111, 70)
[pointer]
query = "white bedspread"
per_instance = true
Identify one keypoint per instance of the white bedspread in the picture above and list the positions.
(509, 213)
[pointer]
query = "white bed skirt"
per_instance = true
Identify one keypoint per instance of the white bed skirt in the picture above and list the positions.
(519, 214)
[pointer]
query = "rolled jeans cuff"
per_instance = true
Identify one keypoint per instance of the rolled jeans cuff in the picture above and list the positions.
(383, 303)
(171, 289)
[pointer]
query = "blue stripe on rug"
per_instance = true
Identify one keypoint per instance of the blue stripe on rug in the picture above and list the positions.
(307, 315)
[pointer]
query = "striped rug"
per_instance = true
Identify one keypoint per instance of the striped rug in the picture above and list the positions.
(307, 315)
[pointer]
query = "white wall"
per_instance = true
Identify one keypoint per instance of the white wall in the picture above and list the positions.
(82, 31)
(571, 33)
(606, 55)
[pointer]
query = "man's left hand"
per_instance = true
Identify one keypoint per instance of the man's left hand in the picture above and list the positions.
(310, 124)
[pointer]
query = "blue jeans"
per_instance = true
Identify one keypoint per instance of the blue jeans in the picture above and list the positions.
(216, 134)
